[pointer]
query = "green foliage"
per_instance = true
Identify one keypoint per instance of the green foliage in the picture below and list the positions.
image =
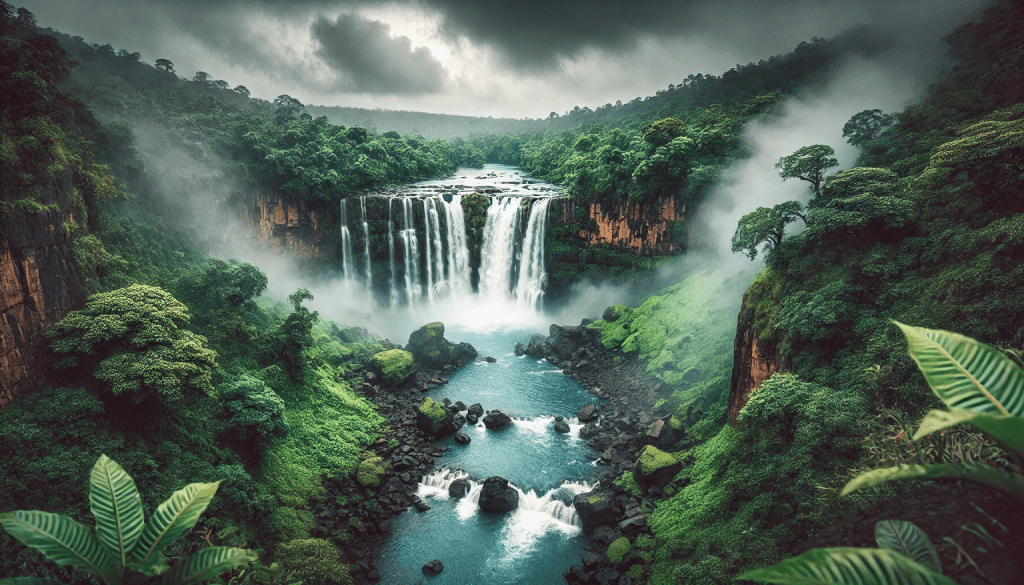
(808, 163)
(288, 524)
(749, 491)
(256, 411)
(765, 226)
(371, 472)
(316, 561)
(848, 566)
(435, 410)
(396, 366)
(134, 339)
(124, 548)
(866, 126)
(908, 540)
(618, 549)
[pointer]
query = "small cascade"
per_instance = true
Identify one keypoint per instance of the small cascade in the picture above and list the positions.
(532, 276)
(346, 243)
(498, 253)
(434, 233)
(393, 281)
(458, 249)
(548, 505)
(366, 244)
(410, 253)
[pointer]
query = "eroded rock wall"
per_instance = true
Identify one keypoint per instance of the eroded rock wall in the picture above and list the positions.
(645, 227)
(754, 360)
(296, 227)
(39, 284)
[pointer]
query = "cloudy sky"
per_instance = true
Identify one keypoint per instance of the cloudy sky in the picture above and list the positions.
(501, 58)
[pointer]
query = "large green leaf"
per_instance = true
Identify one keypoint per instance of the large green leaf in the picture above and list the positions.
(908, 540)
(997, 478)
(848, 566)
(966, 373)
(60, 539)
(1008, 430)
(205, 565)
(116, 504)
(173, 518)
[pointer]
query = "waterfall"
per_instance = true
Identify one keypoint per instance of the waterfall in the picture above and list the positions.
(366, 244)
(498, 254)
(393, 281)
(532, 277)
(346, 243)
(458, 250)
(411, 253)
(434, 234)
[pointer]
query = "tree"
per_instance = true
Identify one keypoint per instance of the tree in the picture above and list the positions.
(165, 64)
(289, 340)
(232, 283)
(256, 411)
(663, 131)
(765, 226)
(808, 164)
(242, 90)
(866, 125)
(201, 77)
(135, 340)
(287, 104)
(26, 18)
(125, 548)
(222, 84)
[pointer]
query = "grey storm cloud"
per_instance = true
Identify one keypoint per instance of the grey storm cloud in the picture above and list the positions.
(368, 59)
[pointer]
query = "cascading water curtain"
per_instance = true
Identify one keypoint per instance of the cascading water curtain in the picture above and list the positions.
(346, 243)
(366, 244)
(532, 277)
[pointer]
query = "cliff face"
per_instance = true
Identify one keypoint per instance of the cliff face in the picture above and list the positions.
(754, 361)
(39, 284)
(643, 227)
(296, 227)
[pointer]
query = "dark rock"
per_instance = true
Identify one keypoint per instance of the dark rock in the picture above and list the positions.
(461, 405)
(433, 568)
(490, 360)
(476, 409)
(462, 438)
(535, 348)
(430, 349)
(596, 508)
(561, 426)
(472, 419)
(434, 419)
(607, 577)
(654, 468)
(458, 420)
(459, 488)
(592, 560)
(576, 575)
(496, 420)
(497, 496)
(520, 349)
(587, 413)
(633, 526)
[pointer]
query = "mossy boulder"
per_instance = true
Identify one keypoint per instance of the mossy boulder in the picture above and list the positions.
(618, 549)
(372, 472)
(316, 561)
(596, 508)
(431, 350)
(433, 418)
(395, 366)
(655, 468)
(612, 313)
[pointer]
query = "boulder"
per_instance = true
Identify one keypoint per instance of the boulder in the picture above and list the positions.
(587, 413)
(561, 426)
(472, 419)
(614, 312)
(459, 488)
(434, 419)
(596, 508)
(433, 568)
(395, 366)
(520, 349)
(462, 438)
(496, 419)
(371, 472)
(476, 409)
(498, 496)
(430, 349)
(536, 348)
(654, 468)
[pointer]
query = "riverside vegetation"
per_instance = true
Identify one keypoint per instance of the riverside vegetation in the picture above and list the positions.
(176, 367)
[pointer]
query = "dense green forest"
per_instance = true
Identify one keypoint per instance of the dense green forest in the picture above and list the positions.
(179, 370)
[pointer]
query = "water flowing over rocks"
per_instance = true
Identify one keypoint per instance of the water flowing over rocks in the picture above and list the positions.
(496, 419)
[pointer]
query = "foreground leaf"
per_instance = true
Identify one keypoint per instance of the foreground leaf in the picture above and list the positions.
(1008, 430)
(205, 565)
(908, 540)
(116, 504)
(60, 539)
(30, 581)
(848, 566)
(966, 373)
(173, 518)
(1007, 482)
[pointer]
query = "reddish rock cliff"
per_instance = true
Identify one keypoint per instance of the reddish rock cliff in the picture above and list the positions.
(643, 227)
(39, 284)
(296, 227)
(754, 360)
